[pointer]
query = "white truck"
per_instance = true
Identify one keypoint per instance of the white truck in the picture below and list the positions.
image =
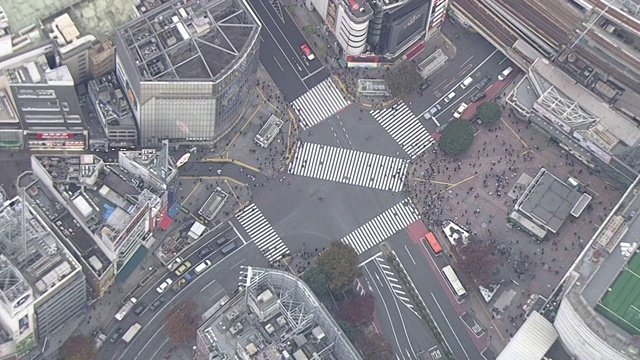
(126, 308)
(100, 340)
(131, 333)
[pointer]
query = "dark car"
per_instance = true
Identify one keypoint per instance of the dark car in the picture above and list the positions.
(139, 309)
(424, 86)
(116, 335)
(479, 95)
(483, 82)
(156, 304)
(205, 251)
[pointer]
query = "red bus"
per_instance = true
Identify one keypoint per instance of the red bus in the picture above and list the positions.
(433, 243)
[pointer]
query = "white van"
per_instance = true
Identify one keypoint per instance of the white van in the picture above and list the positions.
(503, 75)
(202, 267)
(449, 97)
(466, 82)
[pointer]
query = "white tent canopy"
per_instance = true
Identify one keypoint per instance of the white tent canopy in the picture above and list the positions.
(532, 341)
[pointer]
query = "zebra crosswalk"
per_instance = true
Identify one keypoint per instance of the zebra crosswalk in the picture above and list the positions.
(393, 282)
(317, 104)
(261, 232)
(405, 128)
(382, 226)
(349, 166)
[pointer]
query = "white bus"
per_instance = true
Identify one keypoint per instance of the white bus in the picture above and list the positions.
(454, 282)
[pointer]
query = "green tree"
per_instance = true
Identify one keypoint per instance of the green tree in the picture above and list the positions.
(375, 347)
(181, 323)
(317, 280)
(291, 8)
(340, 262)
(309, 30)
(489, 112)
(322, 50)
(403, 79)
(79, 347)
(456, 138)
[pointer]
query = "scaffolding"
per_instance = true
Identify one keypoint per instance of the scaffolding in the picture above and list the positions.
(566, 110)
(301, 308)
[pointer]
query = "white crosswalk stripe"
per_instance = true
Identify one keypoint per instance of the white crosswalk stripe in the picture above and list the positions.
(317, 104)
(405, 128)
(349, 166)
(394, 284)
(382, 226)
(261, 232)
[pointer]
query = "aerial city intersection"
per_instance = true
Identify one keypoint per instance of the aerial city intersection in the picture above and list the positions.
(319, 179)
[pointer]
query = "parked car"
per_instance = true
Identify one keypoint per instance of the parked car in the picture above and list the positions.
(116, 335)
(484, 82)
(140, 309)
(424, 86)
(165, 284)
(307, 51)
(156, 304)
(449, 97)
(479, 95)
(460, 110)
(182, 268)
(205, 251)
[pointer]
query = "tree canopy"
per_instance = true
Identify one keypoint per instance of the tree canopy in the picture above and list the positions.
(375, 347)
(477, 262)
(489, 112)
(357, 310)
(78, 347)
(317, 280)
(456, 138)
(181, 323)
(403, 80)
(340, 262)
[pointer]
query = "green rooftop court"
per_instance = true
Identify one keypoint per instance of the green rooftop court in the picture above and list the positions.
(621, 303)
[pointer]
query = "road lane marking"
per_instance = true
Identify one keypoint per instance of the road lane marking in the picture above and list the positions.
(450, 327)
(384, 304)
(413, 261)
(277, 63)
(313, 73)
(369, 259)
(469, 59)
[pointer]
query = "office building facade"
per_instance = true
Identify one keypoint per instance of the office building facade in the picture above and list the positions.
(184, 80)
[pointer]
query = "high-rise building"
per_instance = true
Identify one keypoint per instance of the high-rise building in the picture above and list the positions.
(47, 106)
(187, 68)
(380, 27)
(42, 285)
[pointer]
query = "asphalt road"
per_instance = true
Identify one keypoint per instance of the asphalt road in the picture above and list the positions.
(437, 295)
(280, 52)
(402, 326)
(206, 288)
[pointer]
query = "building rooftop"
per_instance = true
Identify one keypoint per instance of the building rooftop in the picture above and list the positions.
(358, 8)
(188, 40)
(548, 200)
(576, 105)
(36, 260)
(106, 198)
(111, 103)
(156, 164)
(45, 98)
(8, 115)
(276, 316)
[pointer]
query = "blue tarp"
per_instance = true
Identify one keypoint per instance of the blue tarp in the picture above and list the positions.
(132, 264)
(108, 211)
(173, 210)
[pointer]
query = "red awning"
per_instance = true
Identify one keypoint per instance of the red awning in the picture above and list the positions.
(416, 50)
(165, 222)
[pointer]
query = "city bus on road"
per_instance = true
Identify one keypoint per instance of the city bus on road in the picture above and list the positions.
(454, 282)
(433, 243)
(131, 333)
